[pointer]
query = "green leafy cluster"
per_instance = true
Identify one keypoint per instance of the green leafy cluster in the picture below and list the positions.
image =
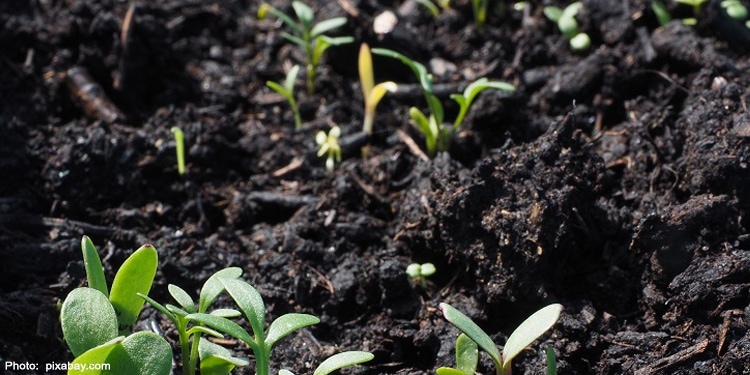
(97, 322)
(568, 25)
(307, 34)
(473, 338)
(437, 136)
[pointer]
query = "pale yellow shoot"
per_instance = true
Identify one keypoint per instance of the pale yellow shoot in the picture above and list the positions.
(370, 91)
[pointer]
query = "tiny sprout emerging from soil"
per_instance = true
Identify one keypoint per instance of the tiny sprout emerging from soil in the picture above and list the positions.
(372, 93)
(551, 361)
(479, 7)
(734, 9)
(311, 37)
(214, 359)
(286, 89)
(420, 272)
(329, 144)
(697, 6)
(179, 140)
(432, 7)
(262, 340)
(337, 362)
(437, 136)
(566, 22)
(661, 12)
(95, 320)
(527, 332)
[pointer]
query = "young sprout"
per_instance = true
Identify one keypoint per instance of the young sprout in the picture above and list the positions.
(337, 362)
(372, 93)
(179, 140)
(527, 332)
(308, 35)
(551, 361)
(566, 22)
(262, 340)
(479, 7)
(467, 357)
(329, 144)
(193, 346)
(430, 5)
(661, 12)
(697, 6)
(420, 272)
(734, 9)
(286, 89)
(437, 136)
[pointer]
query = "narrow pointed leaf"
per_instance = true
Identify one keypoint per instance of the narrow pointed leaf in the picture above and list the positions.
(530, 330)
(216, 359)
(225, 326)
(324, 26)
(206, 330)
(304, 12)
(250, 303)
(378, 92)
(281, 90)
(182, 297)
(136, 275)
(471, 329)
(366, 75)
(213, 286)
(341, 360)
(226, 313)
(288, 21)
(287, 324)
(87, 319)
(291, 76)
(93, 265)
(451, 371)
(295, 39)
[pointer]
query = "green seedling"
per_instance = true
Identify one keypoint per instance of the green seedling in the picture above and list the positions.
(337, 362)
(329, 144)
(251, 304)
(526, 333)
(370, 91)
(467, 357)
(286, 89)
(568, 25)
(214, 359)
(308, 35)
(420, 272)
(697, 6)
(437, 136)
(434, 7)
(179, 140)
(479, 7)
(551, 361)
(95, 320)
(734, 9)
(661, 12)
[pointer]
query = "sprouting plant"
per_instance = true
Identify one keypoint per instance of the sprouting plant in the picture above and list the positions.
(179, 140)
(214, 359)
(479, 7)
(735, 10)
(420, 272)
(433, 6)
(338, 361)
(527, 332)
(251, 304)
(437, 136)
(467, 356)
(551, 361)
(697, 6)
(372, 93)
(311, 37)
(286, 89)
(97, 321)
(661, 12)
(566, 22)
(329, 144)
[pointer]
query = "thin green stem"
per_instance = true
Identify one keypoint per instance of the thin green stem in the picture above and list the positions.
(194, 352)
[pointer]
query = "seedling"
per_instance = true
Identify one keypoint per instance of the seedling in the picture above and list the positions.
(433, 6)
(661, 12)
(337, 362)
(95, 320)
(437, 136)
(286, 89)
(215, 360)
(526, 333)
(551, 361)
(420, 272)
(566, 22)
(310, 37)
(697, 6)
(479, 7)
(370, 91)
(179, 140)
(329, 144)
(251, 304)
(735, 10)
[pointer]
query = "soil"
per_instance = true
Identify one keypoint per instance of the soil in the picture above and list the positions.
(613, 181)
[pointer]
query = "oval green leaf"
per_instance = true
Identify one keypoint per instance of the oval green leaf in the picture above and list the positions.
(135, 276)
(213, 286)
(531, 328)
(341, 360)
(182, 297)
(250, 303)
(87, 319)
(471, 329)
(93, 265)
(287, 324)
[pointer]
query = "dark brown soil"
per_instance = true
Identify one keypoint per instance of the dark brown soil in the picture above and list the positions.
(614, 181)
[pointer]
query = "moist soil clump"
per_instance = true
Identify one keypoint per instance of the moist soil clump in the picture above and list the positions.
(614, 181)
